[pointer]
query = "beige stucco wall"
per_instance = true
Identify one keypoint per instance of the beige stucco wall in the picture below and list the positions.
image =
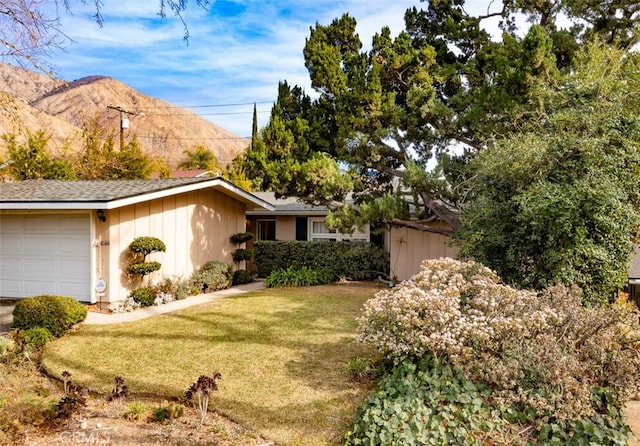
(286, 227)
(409, 247)
(194, 226)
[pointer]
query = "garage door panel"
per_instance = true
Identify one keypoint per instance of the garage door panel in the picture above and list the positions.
(39, 245)
(41, 267)
(11, 226)
(74, 268)
(12, 244)
(11, 267)
(74, 225)
(45, 254)
(35, 287)
(72, 288)
(73, 245)
(11, 288)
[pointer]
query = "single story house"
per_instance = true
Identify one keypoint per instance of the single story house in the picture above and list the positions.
(71, 237)
(292, 219)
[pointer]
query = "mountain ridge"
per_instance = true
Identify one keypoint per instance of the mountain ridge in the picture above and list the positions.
(65, 109)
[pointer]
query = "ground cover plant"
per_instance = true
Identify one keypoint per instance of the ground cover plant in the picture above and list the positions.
(553, 370)
(283, 355)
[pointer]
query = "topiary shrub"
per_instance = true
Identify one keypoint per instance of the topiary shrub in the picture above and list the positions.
(211, 277)
(141, 247)
(242, 276)
(241, 237)
(241, 254)
(143, 295)
(57, 314)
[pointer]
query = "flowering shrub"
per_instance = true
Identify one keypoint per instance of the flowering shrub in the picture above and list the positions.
(543, 355)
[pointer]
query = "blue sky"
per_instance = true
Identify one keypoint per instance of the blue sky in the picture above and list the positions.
(237, 53)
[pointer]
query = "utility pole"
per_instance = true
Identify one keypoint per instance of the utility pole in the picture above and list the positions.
(124, 120)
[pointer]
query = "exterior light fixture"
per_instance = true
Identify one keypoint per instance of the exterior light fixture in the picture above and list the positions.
(101, 216)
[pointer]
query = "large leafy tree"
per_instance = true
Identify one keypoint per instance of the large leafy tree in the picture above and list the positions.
(380, 117)
(558, 201)
(28, 158)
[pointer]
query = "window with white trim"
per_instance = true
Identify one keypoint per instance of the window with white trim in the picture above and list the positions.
(318, 231)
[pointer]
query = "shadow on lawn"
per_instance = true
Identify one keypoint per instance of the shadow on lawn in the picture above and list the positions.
(304, 424)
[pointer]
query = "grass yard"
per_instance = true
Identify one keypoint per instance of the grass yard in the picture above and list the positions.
(282, 353)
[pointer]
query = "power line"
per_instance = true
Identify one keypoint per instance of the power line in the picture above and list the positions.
(209, 105)
(187, 138)
(187, 113)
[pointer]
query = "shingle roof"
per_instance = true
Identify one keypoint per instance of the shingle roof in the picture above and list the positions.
(53, 194)
(290, 205)
(84, 191)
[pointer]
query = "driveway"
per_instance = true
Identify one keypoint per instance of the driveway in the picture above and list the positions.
(6, 310)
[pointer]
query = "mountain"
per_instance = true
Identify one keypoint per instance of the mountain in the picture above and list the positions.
(62, 109)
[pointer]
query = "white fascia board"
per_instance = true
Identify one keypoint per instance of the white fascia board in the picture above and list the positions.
(52, 205)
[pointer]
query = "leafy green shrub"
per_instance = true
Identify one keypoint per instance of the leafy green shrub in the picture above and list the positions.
(211, 277)
(299, 277)
(143, 295)
(546, 358)
(37, 337)
(241, 237)
(57, 314)
(178, 287)
(242, 276)
(241, 254)
(424, 403)
(352, 260)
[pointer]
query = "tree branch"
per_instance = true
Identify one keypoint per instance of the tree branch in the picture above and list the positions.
(421, 225)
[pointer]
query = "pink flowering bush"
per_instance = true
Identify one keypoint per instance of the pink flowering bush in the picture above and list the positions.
(544, 356)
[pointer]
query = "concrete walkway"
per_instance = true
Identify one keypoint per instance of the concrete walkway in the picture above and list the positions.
(94, 318)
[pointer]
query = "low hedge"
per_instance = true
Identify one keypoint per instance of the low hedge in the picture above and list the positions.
(351, 260)
(295, 277)
(55, 313)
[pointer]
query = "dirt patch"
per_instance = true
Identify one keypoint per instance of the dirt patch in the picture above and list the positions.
(104, 422)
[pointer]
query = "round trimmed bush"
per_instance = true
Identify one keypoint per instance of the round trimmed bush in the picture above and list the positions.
(55, 313)
(143, 295)
(242, 276)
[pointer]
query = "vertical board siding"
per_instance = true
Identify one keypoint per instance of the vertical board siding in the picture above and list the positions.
(194, 226)
(409, 247)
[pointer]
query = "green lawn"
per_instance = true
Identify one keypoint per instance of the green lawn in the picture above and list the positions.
(282, 354)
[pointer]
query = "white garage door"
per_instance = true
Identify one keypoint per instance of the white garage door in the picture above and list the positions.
(45, 254)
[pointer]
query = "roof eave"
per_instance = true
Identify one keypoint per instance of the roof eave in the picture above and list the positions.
(218, 183)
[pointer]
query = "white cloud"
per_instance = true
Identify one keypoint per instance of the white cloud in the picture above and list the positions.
(237, 52)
